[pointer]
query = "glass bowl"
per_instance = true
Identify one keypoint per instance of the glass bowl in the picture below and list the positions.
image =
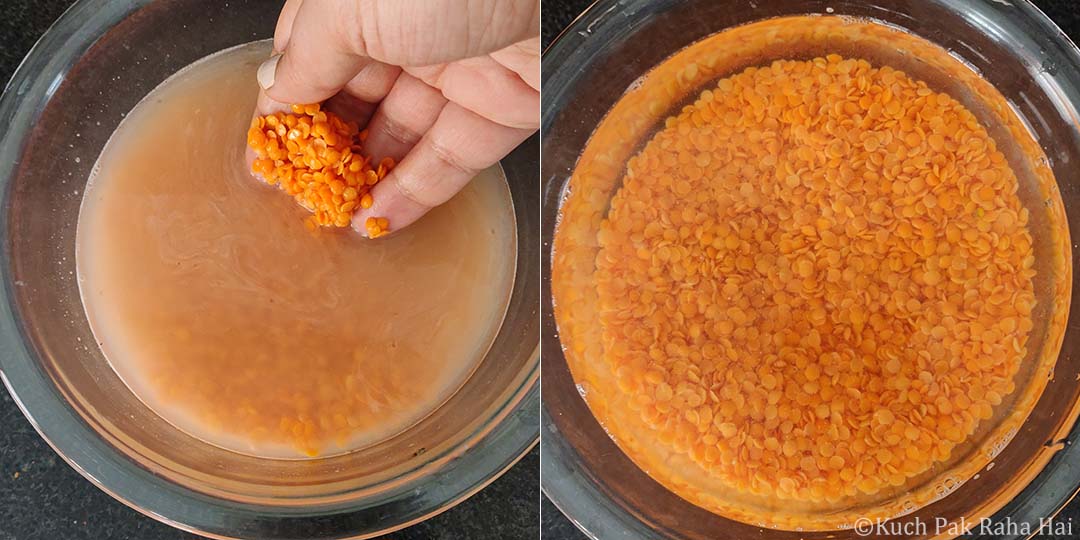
(92, 66)
(604, 55)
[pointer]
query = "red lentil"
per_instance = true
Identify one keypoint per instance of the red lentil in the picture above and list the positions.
(807, 256)
(316, 157)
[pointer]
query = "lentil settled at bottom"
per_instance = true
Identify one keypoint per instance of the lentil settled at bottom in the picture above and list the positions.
(315, 156)
(816, 279)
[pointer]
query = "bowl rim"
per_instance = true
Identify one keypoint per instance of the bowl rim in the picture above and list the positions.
(480, 458)
(571, 487)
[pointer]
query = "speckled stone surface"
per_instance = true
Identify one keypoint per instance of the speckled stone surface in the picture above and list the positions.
(42, 498)
(557, 14)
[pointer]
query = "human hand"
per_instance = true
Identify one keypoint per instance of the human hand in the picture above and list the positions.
(445, 87)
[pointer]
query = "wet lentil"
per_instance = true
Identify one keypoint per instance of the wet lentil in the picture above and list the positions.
(816, 279)
(316, 157)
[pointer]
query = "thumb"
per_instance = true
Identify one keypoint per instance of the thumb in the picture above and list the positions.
(316, 62)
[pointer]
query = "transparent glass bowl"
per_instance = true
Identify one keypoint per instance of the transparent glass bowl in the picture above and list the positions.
(608, 49)
(95, 63)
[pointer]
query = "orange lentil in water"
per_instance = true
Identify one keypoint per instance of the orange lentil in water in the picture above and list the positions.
(315, 156)
(816, 279)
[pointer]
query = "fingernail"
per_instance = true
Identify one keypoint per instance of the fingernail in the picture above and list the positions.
(267, 71)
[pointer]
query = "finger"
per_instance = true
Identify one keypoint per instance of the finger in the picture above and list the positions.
(361, 95)
(373, 82)
(486, 88)
(522, 58)
(460, 144)
(364, 90)
(317, 62)
(425, 32)
(266, 105)
(349, 108)
(284, 24)
(409, 110)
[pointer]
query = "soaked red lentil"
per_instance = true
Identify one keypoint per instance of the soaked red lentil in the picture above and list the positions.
(316, 157)
(816, 280)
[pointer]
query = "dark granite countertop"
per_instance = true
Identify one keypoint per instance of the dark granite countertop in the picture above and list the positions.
(557, 15)
(42, 498)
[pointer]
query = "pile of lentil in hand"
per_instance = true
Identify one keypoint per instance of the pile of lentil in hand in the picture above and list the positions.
(816, 280)
(316, 157)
